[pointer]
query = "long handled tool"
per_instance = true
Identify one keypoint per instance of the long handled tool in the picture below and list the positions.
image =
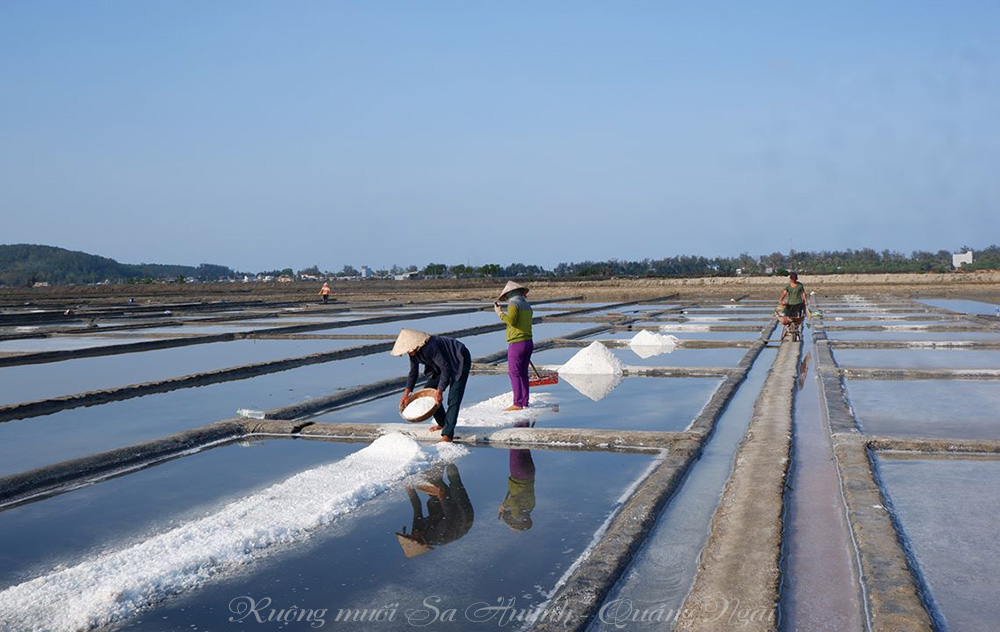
(542, 379)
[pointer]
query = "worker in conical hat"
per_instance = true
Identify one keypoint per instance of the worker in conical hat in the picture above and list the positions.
(520, 345)
(448, 362)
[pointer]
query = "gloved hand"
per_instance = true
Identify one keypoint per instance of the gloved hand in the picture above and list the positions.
(496, 308)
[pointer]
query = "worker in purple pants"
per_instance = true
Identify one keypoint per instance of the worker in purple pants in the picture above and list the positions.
(518, 318)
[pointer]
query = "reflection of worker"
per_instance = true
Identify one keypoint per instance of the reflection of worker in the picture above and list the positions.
(447, 362)
(449, 513)
(325, 292)
(804, 370)
(516, 508)
(519, 343)
(793, 297)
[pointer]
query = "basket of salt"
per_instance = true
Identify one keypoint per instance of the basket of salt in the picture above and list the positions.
(419, 405)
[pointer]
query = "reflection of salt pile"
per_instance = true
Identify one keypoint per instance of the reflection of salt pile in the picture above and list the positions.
(647, 344)
(419, 407)
(594, 371)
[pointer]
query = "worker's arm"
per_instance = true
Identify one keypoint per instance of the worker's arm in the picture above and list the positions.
(784, 297)
(511, 316)
(411, 379)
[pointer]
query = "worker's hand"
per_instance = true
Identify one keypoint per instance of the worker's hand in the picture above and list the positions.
(402, 400)
(437, 396)
(496, 308)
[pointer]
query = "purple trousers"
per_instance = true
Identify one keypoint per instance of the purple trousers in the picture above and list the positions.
(518, 356)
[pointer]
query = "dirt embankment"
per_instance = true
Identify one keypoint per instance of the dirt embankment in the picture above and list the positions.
(979, 285)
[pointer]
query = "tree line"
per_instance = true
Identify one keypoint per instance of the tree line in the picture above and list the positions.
(26, 264)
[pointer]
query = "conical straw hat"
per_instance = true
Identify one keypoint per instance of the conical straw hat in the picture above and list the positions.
(409, 340)
(412, 548)
(510, 287)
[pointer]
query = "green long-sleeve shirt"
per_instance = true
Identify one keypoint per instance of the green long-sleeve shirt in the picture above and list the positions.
(518, 319)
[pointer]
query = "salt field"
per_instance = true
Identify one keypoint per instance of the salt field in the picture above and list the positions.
(684, 455)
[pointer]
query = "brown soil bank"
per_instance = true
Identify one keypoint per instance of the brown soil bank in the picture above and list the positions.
(973, 285)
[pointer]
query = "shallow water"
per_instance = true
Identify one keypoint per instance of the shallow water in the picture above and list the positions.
(679, 357)
(918, 358)
(61, 343)
(357, 562)
(664, 567)
(963, 306)
(927, 408)
(43, 381)
(124, 509)
(948, 509)
(913, 335)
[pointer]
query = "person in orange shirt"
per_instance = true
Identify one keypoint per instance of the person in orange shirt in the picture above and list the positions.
(325, 292)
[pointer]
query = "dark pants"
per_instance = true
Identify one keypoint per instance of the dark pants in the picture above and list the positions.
(795, 311)
(447, 415)
(326, 298)
(518, 357)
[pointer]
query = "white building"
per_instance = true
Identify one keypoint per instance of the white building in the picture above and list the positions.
(366, 272)
(961, 258)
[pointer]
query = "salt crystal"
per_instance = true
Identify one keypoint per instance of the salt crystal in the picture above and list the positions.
(593, 360)
(646, 338)
(419, 407)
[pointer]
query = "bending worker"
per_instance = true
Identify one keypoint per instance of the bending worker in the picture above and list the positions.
(519, 343)
(447, 362)
(794, 297)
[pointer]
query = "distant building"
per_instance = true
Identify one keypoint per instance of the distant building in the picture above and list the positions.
(407, 276)
(40, 284)
(366, 272)
(284, 278)
(962, 258)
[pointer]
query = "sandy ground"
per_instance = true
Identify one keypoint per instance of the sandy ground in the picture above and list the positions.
(983, 286)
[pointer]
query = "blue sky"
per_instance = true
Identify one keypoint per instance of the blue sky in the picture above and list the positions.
(266, 135)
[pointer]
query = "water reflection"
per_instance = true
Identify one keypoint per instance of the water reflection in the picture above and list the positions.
(515, 510)
(804, 370)
(449, 512)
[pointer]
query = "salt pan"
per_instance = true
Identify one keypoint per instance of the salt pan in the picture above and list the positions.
(111, 586)
(593, 360)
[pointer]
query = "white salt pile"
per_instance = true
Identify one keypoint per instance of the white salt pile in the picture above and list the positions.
(647, 344)
(593, 360)
(647, 338)
(595, 386)
(110, 586)
(418, 408)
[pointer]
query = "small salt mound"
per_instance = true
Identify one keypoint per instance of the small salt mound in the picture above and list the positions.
(686, 327)
(490, 413)
(593, 360)
(418, 408)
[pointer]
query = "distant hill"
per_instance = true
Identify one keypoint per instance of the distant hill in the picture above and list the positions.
(26, 264)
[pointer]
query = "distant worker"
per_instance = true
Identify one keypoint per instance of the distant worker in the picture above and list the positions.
(325, 292)
(519, 342)
(447, 362)
(793, 300)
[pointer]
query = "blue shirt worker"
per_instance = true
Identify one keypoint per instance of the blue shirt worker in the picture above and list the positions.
(447, 362)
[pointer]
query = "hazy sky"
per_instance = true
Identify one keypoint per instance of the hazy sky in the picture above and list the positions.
(285, 134)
